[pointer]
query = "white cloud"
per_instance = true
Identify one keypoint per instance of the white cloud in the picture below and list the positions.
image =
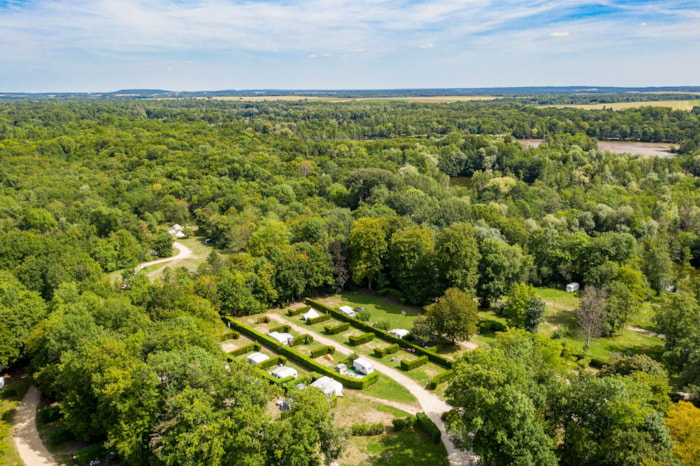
(429, 45)
(559, 34)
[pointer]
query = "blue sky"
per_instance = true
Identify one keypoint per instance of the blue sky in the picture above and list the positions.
(105, 45)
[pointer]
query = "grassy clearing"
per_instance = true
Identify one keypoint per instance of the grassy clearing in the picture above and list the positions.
(394, 449)
(381, 309)
(644, 317)
(16, 385)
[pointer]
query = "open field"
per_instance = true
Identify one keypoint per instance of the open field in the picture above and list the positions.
(646, 149)
(407, 447)
(686, 105)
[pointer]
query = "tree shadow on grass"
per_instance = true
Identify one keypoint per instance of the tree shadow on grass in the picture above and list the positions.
(408, 448)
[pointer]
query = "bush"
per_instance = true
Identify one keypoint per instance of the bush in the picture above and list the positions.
(245, 349)
(89, 453)
(365, 429)
(229, 335)
(360, 339)
(296, 312)
(263, 320)
(364, 316)
(383, 324)
(321, 318)
(322, 350)
(410, 365)
(49, 414)
(280, 329)
(381, 352)
(273, 361)
(424, 423)
(488, 325)
(334, 330)
(440, 378)
(60, 435)
(401, 423)
(302, 340)
(390, 292)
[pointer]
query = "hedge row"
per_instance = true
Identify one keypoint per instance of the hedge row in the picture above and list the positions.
(384, 335)
(280, 329)
(334, 330)
(321, 318)
(360, 339)
(365, 429)
(410, 365)
(296, 312)
(302, 340)
(424, 423)
(245, 349)
(229, 335)
(322, 350)
(442, 377)
(381, 352)
(275, 360)
(294, 355)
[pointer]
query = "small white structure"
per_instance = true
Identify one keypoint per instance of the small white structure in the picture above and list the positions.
(284, 338)
(347, 310)
(311, 314)
(328, 386)
(256, 358)
(2, 381)
(177, 227)
(180, 235)
(341, 369)
(399, 332)
(572, 287)
(362, 366)
(283, 372)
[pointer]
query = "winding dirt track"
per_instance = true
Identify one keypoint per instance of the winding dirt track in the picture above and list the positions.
(430, 404)
(25, 434)
(183, 252)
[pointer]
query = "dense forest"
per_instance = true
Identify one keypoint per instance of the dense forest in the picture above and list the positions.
(403, 199)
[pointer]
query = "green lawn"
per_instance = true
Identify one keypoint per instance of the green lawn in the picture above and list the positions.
(644, 316)
(381, 308)
(407, 447)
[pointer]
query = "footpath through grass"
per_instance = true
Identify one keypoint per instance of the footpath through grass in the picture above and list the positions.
(16, 385)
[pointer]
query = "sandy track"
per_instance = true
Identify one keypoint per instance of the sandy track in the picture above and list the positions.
(183, 252)
(25, 434)
(430, 404)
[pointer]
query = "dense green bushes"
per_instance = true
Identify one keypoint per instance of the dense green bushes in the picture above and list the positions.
(424, 423)
(334, 330)
(410, 365)
(245, 349)
(296, 312)
(316, 320)
(302, 340)
(280, 329)
(273, 361)
(366, 429)
(322, 350)
(381, 352)
(357, 340)
(229, 335)
(441, 377)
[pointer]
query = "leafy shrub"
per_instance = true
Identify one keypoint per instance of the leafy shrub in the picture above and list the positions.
(381, 352)
(321, 318)
(365, 429)
(360, 339)
(489, 325)
(89, 453)
(334, 330)
(60, 435)
(263, 320)
(49, 414)
(441, 377)
(383, 324)
(401, 423)
(273, 361)
(245, 349)
(425, 424)
(410, 365)
(364, 316)
(296, 312)
(302, 340)
(322, 350)
(390, 292)
(280, 329)
(229, 335)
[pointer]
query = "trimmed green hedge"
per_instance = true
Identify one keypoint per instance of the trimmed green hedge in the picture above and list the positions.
(271, 362)
(296, 312)
(321, 318)
(410, 365)
(229, 335)
(293, 354)
(381, 352)
(384, 335)
(280, 329)
(322, 350)
(424, 423)
(360, 339)
(245, 349)
(442, 377)
(334, 330)
(391, 292)
(302, 340)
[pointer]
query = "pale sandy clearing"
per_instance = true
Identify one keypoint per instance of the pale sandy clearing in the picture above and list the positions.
(25, 434)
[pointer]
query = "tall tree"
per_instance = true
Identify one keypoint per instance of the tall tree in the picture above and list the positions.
(591, 313)
(453, 317)
(523, 309)
(457, 257)
(368, 245)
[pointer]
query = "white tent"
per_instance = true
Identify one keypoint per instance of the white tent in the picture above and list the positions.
(311, 314)
(283, 372)
(572, 287)
(347, 310)
(362, 366)
(399, 332)
(283, 338)
(255, 358)
(328, 386)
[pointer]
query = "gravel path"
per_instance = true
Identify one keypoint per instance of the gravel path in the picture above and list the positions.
(431, 404)
(25, 434)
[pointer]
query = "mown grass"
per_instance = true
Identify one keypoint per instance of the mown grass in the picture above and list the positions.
(381, 308)
(407, 447)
